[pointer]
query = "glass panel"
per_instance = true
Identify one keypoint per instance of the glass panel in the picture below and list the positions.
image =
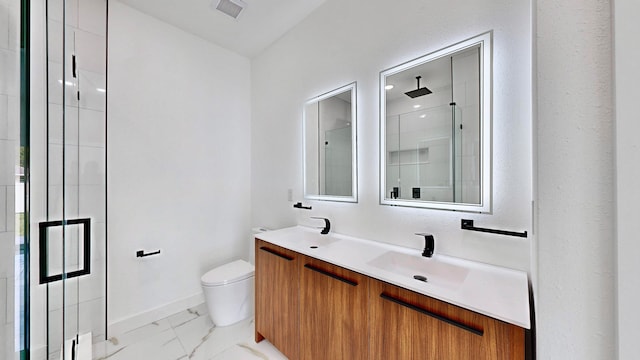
(75, 169)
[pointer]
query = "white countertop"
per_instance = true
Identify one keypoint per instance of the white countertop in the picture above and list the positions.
(494, 291)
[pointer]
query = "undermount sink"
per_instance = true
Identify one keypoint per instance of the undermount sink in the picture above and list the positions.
(437, 272)
(318, 240)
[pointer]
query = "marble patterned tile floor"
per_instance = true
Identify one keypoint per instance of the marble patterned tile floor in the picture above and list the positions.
(189, 334)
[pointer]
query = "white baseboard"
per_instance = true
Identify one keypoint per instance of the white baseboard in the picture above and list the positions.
(123, 325)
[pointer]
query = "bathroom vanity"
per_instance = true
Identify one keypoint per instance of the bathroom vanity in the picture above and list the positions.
(338, 297)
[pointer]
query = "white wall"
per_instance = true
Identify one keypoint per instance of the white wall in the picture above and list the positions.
(346, 41)
(178, 161)
(627, 78)
(576, 284)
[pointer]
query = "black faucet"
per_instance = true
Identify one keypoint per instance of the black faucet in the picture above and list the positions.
(327, 225)
(429, 244)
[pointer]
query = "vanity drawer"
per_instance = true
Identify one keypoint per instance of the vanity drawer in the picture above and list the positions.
(408, 325)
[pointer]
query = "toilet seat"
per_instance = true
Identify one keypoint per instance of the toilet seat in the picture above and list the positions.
(229, 273)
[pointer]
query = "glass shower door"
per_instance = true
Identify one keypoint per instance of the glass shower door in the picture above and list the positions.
(72, 247)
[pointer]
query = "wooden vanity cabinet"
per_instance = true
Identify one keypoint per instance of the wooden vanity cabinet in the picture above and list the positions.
(333, 312)
(276, 292)
(408, 325)
(311, 309)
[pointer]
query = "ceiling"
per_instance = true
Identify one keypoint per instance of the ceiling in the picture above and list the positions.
(261, 23)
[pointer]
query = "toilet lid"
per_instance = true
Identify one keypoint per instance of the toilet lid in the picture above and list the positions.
(228, 273)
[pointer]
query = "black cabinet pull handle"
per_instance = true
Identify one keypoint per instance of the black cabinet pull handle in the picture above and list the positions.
(310, 267)
(272, 252)
(433, 315)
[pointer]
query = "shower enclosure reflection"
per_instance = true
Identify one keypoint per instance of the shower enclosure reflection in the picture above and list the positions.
(421, 164)
(435, 129)
(329, 146)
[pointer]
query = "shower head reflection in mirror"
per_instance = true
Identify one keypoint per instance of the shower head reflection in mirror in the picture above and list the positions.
(435, 150)
(329, 128)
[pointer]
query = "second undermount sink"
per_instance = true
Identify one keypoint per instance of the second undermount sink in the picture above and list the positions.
(437, 272)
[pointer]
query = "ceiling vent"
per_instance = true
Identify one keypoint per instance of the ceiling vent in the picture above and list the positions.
(232, 8)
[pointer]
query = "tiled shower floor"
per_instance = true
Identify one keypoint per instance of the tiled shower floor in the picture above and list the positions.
(189, 334)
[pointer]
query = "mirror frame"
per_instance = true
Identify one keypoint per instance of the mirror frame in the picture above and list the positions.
(354, 147)
(485, 42)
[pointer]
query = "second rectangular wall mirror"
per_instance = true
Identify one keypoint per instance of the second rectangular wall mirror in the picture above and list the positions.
(435, 129)
(329, 128)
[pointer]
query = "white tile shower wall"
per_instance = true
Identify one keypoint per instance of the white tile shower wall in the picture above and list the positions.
(7, 170)
(8, 65)
(4, 295)
(179, 166)
(9, 119)
(6, 265)
(4, 205)
(313, 56)
(4, 120)
(4, 20)
(3, 320)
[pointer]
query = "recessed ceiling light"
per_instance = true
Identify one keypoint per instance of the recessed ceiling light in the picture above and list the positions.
(388, 87)
(423, 116)
(416, 106)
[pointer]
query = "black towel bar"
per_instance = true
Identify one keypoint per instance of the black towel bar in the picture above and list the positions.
(468, 225)
(141, 253)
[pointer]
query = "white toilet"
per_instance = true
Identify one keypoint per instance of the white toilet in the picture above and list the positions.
(228, 292)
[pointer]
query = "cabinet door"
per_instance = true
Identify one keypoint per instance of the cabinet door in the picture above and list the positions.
(333, 312)
(407, 325)
(276, 312)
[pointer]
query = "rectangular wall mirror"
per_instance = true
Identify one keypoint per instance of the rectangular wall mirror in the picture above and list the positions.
(330, 159)
(435, 129)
